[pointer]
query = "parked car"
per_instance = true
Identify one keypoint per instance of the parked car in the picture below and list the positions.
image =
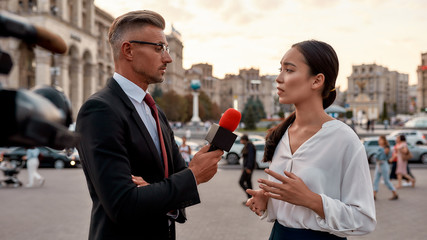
(233, 155)
(417, 122)
(414, 137)
(48, 157)
(419, 152)
(259, 146)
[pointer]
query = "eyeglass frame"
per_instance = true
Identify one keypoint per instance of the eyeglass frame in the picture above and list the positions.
(164, 47)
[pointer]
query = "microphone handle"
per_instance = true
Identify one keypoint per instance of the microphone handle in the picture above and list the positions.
(212, 148)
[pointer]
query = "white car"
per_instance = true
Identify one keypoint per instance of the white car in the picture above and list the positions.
(413, 137)
(259, 146)
(233, 155)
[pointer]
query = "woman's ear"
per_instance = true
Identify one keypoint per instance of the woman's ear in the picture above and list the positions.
(319, 81)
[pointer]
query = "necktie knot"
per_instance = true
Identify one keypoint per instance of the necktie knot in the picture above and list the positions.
(149, 100)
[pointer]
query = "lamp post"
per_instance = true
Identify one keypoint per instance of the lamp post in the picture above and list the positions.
(195, 85)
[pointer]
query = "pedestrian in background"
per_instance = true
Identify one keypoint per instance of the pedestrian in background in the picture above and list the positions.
(32, 157)
(185, 151)
(402, 164)
(249, 155)
(382, 167)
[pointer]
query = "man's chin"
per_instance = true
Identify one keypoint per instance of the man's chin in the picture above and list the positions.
(157, 80)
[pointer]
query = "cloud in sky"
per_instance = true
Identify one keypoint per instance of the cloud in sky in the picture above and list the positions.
(234, 34)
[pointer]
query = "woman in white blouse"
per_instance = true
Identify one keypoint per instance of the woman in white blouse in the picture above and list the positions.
(319, 184)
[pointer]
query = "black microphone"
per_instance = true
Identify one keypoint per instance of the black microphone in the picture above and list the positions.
(18, 27)
(222, 136)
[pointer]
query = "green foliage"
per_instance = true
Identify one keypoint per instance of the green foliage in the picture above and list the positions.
(174, 106)
(384, 115)
(253, 113)
(180, 108)
(157, 92)
(349, 114)
(249, 118)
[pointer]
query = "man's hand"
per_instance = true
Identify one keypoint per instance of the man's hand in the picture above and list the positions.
(205, 164)
(139, 181)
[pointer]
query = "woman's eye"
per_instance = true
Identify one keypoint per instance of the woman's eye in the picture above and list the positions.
(280, 69)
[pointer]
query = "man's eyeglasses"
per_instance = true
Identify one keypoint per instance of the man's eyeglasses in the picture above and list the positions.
(164, 47)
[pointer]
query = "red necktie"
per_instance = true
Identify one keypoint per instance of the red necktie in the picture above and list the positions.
(150, 102)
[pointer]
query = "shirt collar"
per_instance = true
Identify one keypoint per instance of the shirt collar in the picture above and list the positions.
(131, 89)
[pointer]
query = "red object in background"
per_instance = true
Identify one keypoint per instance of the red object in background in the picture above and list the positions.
(423, 68)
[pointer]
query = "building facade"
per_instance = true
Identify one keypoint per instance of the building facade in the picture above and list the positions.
(235, 90)
(422, 84)
(209, 84)
(175, 73)
(86, 65)
(371, 87)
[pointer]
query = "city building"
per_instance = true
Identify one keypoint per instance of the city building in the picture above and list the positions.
(88, 62)
(86, 65)
(371, 87)
(422, 84)
(235, 90)
(209, 84)
(174, 77)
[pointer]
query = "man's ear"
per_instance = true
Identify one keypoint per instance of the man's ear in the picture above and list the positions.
(318, 81)
(126, 50)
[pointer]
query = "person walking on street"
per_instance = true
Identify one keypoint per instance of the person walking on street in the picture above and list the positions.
(382, 167)
(249, 155)
(32, 157)
(402, 164)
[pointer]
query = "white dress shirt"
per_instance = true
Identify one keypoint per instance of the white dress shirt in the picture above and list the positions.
(136, 96)
(331, 163)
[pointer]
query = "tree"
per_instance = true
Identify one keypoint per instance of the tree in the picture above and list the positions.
(384, 116)
(174, 106)
(259, 109)
(157, 92)
(207, 109)
(250, 118)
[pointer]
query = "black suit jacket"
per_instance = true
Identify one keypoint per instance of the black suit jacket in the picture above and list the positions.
(115, 144)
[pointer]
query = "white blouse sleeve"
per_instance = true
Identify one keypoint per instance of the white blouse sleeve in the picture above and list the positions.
(354, 214)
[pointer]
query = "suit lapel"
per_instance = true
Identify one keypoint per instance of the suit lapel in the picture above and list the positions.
(141, 126)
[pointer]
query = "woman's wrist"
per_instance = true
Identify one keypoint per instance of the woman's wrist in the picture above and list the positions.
(315, 203)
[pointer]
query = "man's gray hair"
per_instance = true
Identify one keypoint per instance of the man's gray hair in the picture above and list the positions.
(129, 21)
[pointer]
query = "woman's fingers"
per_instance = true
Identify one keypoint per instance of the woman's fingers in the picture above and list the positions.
(276, 175)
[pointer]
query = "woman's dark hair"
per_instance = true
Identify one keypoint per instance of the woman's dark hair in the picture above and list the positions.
(402, 138)
(320, 58)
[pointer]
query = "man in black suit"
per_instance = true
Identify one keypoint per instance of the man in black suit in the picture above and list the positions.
(119, 140)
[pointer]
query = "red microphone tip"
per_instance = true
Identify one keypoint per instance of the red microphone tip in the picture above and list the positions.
(230, 119)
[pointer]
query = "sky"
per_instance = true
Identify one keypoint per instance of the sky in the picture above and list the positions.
(236, 34)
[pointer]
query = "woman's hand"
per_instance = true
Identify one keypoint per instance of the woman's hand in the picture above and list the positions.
(258, 202)
(139, 181)
(292, 189)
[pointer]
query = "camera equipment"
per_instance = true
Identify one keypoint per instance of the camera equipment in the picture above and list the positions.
(28, 118)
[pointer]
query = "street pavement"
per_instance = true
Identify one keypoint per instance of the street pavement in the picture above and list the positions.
(60, 210)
